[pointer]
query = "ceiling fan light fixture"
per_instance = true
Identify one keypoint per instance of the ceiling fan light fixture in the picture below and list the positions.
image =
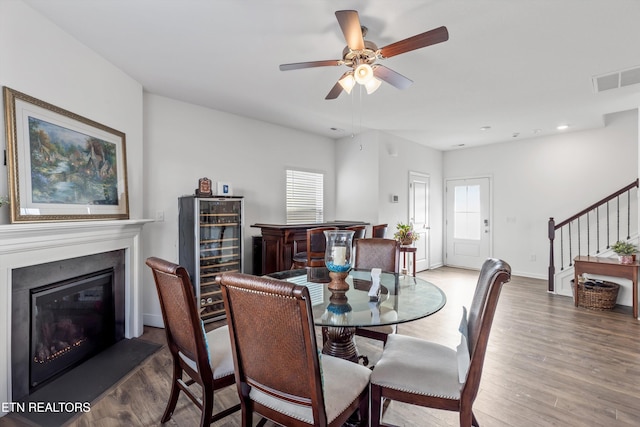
(347, 82)
(360, 56)
(363, 73)
(372, 85)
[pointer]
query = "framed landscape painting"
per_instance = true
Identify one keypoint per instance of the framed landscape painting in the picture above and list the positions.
(62, 166)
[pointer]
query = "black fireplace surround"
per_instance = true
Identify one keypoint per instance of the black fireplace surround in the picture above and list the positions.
(64, 312)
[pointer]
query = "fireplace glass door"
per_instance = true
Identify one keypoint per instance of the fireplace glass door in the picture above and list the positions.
(70, 322)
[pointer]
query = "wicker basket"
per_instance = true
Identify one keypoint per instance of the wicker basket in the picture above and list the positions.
(597, 294)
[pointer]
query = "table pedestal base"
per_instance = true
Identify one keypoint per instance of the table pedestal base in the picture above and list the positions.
(340, 342)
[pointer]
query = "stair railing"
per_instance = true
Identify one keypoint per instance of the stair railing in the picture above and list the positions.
(578, 229)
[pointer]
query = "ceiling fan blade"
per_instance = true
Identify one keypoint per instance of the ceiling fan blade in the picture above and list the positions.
(350, 25)
(394, 79)
(312, 64)
(335, 91)
(437, 35)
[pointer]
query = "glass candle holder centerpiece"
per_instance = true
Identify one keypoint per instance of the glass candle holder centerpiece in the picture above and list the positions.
(337, 257)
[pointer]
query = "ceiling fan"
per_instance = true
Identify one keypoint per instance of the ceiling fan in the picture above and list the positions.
(361, 56)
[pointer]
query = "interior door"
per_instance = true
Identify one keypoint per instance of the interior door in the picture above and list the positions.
(419, 217)
(468, 222)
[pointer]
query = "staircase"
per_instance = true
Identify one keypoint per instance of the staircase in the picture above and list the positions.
(592, 230)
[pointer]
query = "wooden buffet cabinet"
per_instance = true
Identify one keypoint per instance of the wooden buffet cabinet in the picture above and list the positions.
(280, 242)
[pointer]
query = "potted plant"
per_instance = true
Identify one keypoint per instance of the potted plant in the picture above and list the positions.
(405, 234)
(626, 251)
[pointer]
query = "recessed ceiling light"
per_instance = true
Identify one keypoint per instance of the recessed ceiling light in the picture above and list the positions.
(562, 127)
(483, 128)
(515, 134)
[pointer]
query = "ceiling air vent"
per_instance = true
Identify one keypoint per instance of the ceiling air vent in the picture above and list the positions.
(617, 79)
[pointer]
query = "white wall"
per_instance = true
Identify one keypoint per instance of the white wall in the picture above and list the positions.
(357, 175)
(538, 178)
(373, 166)
(48, 64)
(399, 157)
(184, 142)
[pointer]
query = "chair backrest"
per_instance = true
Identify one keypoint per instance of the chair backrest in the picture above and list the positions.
(378, 253)
(493, 275)
(278, 357)
(359, 231)
(182, 323)
(379, 230)
(316, 245)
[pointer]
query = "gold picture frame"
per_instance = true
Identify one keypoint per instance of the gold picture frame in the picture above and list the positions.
(62, 166)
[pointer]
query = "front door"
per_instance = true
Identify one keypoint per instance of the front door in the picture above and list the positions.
(468, 222)
(419, 217)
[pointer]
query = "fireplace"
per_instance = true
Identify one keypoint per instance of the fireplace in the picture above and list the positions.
(64, 312)
(70, 322)
(29, 244)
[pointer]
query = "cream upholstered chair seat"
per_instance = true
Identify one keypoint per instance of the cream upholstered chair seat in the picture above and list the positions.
(419, 367)
(386, 315)
(220, 356)
(342, 383)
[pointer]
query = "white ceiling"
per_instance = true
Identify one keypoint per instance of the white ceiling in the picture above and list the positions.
(514, 65)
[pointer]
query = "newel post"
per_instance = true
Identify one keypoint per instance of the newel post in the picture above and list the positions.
(552, 268)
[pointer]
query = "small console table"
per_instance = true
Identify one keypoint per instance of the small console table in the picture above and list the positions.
(411, 250)
(608, 267)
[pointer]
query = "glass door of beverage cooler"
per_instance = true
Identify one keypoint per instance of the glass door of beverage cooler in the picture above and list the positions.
(220, 247)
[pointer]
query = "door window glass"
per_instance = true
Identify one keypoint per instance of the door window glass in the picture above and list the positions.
(466, 208)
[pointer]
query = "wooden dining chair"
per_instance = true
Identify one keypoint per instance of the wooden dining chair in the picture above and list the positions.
(358, 231)
(280, 374)
(379, 230)
(437, 376)
(316, 245)
(205, 358)
(377, 253)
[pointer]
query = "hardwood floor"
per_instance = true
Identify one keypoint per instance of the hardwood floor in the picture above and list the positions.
(548, 364)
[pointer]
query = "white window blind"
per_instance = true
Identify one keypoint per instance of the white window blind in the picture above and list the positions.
(305, 195)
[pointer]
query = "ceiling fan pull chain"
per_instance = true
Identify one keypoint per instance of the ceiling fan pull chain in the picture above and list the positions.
(360, 93)
(355, 110)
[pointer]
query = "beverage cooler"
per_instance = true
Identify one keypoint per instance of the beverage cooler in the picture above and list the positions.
(210, 243)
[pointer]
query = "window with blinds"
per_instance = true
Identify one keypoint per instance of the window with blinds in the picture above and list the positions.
(305, 195)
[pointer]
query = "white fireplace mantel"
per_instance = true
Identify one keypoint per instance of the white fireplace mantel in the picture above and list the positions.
(26, 244)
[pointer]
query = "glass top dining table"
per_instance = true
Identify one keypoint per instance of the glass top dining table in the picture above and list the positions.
(402, 298)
